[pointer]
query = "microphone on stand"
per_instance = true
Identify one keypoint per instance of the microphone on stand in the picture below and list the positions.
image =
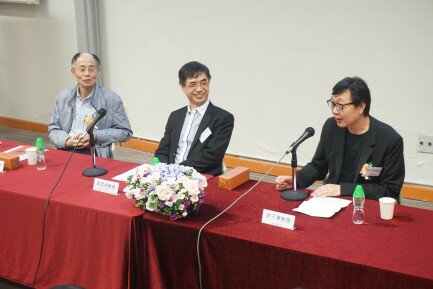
(94, 171)
(309, 132)
(295, 194)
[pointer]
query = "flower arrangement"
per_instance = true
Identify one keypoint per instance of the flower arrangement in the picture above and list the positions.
(364, 170)
(169, 189)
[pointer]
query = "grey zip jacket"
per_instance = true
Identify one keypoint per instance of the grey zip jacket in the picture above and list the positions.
(114, 127)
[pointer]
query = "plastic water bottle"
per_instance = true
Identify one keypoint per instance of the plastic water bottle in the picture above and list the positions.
(155, 161)
(358, 205)
(40, 153)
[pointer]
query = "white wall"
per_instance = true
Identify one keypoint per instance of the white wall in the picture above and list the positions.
(36, 45)
(273, 64)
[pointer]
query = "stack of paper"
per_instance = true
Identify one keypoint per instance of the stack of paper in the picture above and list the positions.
(324, 207)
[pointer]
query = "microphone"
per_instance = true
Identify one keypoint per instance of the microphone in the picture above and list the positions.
(309, 132)
(94, 171)
(99, 115)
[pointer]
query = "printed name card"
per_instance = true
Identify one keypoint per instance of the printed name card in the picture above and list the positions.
(278, 219)
(105, 186)
(373, 171)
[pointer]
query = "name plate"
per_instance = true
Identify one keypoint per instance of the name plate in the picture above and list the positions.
(373, 171)
(105, 186)
(278, 219)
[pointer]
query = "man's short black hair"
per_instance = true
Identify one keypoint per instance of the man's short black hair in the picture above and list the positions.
(359, 91)
(191, 70)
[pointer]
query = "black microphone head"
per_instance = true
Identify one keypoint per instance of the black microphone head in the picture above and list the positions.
(98, 116)
(310, 131)
(102, 112)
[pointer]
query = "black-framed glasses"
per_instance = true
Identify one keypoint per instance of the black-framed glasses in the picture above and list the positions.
(338, 106)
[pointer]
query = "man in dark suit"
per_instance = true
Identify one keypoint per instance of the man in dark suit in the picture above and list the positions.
(354, 148)
(198, 134)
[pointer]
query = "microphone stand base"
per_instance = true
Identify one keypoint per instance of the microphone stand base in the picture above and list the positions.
(94, 172)
(290, 195)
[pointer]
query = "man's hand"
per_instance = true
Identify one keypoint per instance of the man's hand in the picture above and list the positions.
(77, 142)
(328, 190)
(283, 183)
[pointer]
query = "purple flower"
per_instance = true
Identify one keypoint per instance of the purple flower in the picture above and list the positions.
(187, 202)
(151, 187)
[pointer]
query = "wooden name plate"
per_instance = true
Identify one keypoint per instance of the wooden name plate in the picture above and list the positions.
(234, 178)
(12, 161)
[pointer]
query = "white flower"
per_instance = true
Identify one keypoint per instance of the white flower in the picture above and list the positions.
(164, 192)
(184, 214)
(154, 176)
(181, 207)
(183, 179)
(191, 186)
(129, 191)
(139, 193)
(170, 201)
(172, 183)
(194, 198)
(180, 195)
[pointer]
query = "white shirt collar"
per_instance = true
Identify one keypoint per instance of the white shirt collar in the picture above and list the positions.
(88, 97)
(201, 109)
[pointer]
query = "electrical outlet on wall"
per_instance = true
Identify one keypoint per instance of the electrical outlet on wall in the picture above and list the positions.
(425, 144)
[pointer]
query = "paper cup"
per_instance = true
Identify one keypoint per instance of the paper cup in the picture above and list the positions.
(387, 208)
(31, 155)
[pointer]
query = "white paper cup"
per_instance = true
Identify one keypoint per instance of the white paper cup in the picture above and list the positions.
(387, 208)
(31, 155)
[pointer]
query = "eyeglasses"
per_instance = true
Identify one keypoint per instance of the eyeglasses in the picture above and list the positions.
(91, 69)
(339, 106)
(194, 85)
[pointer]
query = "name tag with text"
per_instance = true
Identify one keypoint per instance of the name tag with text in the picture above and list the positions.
(105, 186)
(373, 171)
(278, 219)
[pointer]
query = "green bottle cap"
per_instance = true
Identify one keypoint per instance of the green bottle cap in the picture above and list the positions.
(39, 143)
(359, 191)
(155, 161)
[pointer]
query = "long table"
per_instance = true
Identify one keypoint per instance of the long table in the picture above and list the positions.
(238, 251)
(92, 239)
(102, 241)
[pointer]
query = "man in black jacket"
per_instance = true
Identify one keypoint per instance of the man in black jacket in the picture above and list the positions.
(198, 134)
(354, 148)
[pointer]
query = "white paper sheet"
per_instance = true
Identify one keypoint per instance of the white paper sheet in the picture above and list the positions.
(123, 177)
(22, 155)
(324, 207)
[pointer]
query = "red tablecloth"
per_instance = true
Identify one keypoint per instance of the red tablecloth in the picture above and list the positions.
(98, 240)
(238, 251)
(92, 239)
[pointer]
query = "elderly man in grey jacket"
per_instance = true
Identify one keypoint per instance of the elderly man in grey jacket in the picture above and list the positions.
(76, 106)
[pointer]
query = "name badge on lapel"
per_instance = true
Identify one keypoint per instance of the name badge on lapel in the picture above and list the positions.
(373, 171)
(205, 134)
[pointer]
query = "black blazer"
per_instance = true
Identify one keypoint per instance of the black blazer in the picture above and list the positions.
(206, 157)
(383, 148)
